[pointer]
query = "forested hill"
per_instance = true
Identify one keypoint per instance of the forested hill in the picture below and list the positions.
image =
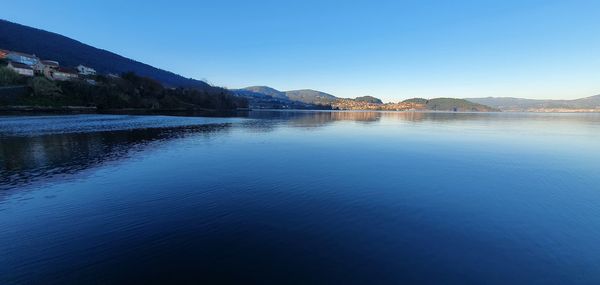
(369, 99)
(450, 104)
(306, 96)
(70, 52)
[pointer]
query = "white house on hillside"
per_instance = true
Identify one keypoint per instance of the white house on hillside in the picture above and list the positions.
(84, 70)
(20, 68)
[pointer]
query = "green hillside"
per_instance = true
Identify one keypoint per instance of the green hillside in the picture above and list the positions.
(311, 96)
(368, 99)
(451, 104)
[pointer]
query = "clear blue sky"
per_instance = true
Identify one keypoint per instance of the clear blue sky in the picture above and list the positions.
(388, 49)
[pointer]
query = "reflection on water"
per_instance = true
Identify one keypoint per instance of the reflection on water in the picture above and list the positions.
(321, 118)
(301, 197)
(27, 159)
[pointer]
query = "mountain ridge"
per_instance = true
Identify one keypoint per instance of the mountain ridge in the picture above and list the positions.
(265, 90)
(52, 46)
(522, 104)
(311, 96)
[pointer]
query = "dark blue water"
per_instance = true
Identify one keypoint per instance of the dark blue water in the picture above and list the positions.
(301, 198)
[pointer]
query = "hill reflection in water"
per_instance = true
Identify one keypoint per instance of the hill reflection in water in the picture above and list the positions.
(26, 160)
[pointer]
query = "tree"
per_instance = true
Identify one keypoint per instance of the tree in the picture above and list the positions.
(9, 77)
(43, 87)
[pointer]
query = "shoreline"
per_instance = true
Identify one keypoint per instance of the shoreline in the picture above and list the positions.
(75, 110)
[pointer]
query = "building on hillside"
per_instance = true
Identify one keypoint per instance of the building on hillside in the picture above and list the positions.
(23, 58)
(86, 71)
(20, 68)
(49, 67)
(43, 65)
(63, 74)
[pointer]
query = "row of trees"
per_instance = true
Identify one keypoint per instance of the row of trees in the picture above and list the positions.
(127, 91)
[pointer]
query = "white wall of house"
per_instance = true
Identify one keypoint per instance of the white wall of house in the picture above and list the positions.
(24, 71)
(84, 70)
(20, 70)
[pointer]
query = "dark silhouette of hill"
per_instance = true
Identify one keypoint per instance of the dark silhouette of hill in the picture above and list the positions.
(70, 52)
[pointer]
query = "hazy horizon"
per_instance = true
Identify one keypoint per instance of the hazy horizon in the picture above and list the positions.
(387, 49)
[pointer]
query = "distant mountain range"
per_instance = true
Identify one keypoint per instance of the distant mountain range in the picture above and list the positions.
(70, 52)
(264, 97)
(305, 96)
(518, 104)
(316, 99)
(257, 95)
(261, 91)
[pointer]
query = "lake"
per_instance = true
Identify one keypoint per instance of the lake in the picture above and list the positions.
(301, 197)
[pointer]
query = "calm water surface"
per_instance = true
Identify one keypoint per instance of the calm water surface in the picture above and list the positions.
(301, 198)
